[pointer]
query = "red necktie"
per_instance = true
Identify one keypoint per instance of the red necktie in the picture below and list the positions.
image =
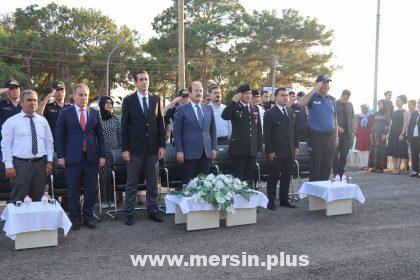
(83, 125)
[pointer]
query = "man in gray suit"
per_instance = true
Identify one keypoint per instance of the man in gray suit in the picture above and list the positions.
(195, 134)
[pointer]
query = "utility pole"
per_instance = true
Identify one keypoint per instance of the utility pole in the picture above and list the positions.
(275, 65)
(107, 69)
(181, 46)
(375, 87)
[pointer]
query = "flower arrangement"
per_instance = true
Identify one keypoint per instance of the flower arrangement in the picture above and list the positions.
(216, 190)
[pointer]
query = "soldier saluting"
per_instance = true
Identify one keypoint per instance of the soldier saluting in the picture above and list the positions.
(246, 139)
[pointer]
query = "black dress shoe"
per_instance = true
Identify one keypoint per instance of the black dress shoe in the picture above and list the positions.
(414, 175)
(271, 206)
(288, 205)
(129, 220)
(90, 223)
(75, 225)
(155, 217)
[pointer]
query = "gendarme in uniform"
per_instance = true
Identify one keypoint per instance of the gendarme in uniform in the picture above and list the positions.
(7, 109)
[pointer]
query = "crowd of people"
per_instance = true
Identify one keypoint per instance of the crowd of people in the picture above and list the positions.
(196, 124)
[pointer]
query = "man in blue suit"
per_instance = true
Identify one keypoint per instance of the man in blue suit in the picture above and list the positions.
(80, 150)
(195, 134)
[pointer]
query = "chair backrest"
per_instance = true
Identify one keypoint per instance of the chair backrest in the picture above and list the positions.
(5, 188)
(119, 166)
(222, 160)
(173, 167)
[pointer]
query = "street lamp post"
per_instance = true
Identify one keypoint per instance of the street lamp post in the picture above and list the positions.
(107, 68)
(375, 87)
(181, 46)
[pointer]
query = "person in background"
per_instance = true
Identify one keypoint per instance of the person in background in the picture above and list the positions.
(397, 142)
(112, 135)
(388, 100)
(11, 105)
(363, 139)
(206, 99)
(223, 127)
(292, 99)
(50, 110)
(412, 106)
(27, 146)
(256, 101)
(169, 112)
(345, 114)
(301, 119)
(378, 147)
(414, 138)
(265, 97)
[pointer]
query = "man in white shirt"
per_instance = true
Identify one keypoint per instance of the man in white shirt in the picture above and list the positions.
(27, 146)
(223, 127)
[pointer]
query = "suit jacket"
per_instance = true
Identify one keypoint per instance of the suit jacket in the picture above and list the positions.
(246, 138)
(280, 133)
(412, 124)
(142, 135)
(69, 136)
(189, 137)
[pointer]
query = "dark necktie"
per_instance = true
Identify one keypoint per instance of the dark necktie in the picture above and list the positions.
(284, 112)
(145, 107)
(200, 116)
(247, 109)
(34, 139)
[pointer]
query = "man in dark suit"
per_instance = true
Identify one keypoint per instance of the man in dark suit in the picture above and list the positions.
(246, 139)
(81, 150)
(281, 146)
(413, 133)
(143, 144)
(195, 134)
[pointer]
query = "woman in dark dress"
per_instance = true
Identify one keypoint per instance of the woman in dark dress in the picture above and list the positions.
(380, 128)
(397, 142)
(112, 134)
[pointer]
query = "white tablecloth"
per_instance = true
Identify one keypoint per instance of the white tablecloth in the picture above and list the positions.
(34, 217)
(187, 204)
(332, 191)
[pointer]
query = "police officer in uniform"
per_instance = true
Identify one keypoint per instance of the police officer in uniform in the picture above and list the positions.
(50, 110)
(10, 106)
(246, 139)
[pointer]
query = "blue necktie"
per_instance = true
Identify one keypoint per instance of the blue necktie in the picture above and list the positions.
(200, 116)
(145, 107)
(33, 133)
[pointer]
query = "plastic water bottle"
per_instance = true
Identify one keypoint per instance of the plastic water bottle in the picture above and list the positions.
(44, 200)
(27, 200)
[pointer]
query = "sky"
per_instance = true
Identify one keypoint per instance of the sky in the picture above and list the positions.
(354, 25)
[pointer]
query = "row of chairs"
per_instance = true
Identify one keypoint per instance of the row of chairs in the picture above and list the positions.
(169, 176)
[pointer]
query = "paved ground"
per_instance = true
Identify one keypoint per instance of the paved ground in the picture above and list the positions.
(380, 240)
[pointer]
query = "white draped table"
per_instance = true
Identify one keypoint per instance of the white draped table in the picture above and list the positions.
(335, 197)
(201, 215)
(34, 225)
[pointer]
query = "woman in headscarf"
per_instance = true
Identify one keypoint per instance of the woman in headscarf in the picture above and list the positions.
(378, 149)
(364, 126)
(112, 134)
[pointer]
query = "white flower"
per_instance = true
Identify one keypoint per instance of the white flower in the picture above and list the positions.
(219, 185)
(220, 200)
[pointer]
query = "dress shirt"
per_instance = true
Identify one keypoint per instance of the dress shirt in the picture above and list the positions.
(84, 113)
(416, 128)
(17, 138)
(281, 109)
(223, 127)
(140, 96)
(262, 112)
(195, 110)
